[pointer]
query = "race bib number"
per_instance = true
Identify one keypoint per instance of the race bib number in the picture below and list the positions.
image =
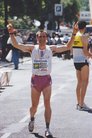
(40, 64)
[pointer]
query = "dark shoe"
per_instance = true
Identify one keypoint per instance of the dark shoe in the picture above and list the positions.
(31, 126)
(48, 134)
(16, 68)
(82, 108)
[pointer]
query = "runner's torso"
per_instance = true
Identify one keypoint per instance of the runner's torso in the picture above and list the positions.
(41, 61)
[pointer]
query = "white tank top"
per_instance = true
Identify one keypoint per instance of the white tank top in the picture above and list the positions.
(41, 61)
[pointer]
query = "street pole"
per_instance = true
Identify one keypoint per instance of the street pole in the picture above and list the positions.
(58, 9)
(6, 12)
(90, 7)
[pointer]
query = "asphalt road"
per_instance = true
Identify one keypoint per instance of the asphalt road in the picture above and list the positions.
(66, 122)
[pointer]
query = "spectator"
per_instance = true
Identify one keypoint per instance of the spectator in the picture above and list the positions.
(15, 51)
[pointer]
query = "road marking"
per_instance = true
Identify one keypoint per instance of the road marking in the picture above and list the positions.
(26, 117)
(6, 135)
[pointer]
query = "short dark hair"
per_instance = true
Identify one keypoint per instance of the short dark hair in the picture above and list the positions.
(41, 32)
(82, 24)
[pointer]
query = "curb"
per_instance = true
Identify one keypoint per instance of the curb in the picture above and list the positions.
(7, 64)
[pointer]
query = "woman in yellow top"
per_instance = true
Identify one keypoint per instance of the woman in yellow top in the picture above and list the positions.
(81, 57)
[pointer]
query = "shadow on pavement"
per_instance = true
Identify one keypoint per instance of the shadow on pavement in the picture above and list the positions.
(8, 86)
(2, 88)
(1, 91)
(39, 136)
(90, 111)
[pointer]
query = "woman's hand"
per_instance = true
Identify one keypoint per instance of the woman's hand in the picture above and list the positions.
(75, 28)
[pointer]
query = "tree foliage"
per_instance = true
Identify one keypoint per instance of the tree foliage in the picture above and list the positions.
(84, 5)
(16, 8)
(42, 9)
(71, 9)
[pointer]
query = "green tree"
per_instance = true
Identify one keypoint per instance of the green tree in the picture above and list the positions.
(70, 10)
(84, 5)
(43, 9)
(16, 8)
(1, 8)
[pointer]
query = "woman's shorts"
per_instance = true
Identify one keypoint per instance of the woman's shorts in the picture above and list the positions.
(78, 66)
(41, 82)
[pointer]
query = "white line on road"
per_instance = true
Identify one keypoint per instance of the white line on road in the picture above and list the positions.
(6, 135)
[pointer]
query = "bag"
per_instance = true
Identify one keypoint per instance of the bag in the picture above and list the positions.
(9, 56)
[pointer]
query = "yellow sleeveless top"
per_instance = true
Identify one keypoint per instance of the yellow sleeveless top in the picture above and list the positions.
(77, 41)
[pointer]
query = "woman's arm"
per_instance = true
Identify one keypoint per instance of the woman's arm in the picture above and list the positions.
(85, 46)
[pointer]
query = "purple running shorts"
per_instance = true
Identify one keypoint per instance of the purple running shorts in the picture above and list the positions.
(41, 82)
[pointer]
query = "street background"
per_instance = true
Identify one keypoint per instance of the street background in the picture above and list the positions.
(66, 122)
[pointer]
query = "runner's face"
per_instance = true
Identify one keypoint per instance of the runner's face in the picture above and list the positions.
(42, 37)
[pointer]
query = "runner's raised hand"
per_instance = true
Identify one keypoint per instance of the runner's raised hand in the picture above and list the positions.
(10, 28)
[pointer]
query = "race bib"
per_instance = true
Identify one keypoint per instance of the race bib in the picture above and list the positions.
(40, 65)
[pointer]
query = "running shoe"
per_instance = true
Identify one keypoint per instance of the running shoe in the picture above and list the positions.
(31, 126)
(48, 134)
(82, 108)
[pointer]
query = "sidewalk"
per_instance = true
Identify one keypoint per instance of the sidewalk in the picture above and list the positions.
(6, 71)
(6, 64)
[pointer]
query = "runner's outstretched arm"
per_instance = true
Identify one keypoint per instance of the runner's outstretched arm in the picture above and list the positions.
(24, 48)
(63, 48)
